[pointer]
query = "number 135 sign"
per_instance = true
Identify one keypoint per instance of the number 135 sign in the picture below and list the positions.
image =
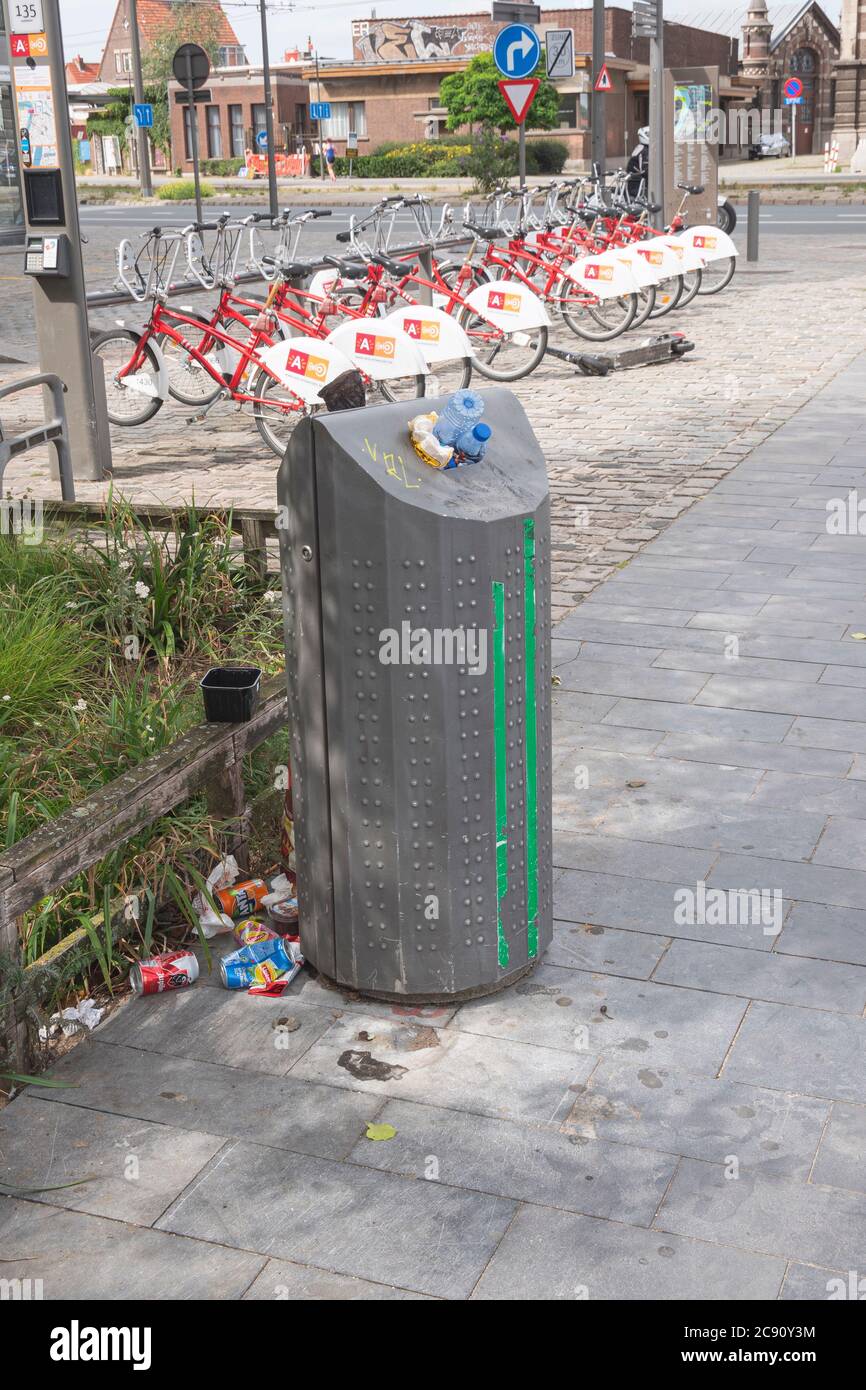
(26, 16)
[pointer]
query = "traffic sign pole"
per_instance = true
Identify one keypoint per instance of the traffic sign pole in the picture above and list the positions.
(657, 118)
(142, 140)
(516, 53)
(193, 134)
(597, 113)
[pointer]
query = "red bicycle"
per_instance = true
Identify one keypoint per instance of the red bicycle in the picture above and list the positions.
(134, 364)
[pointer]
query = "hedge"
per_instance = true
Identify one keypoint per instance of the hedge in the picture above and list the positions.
(443, 159)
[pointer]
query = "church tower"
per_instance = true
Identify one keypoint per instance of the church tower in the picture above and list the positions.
(757, 30)
(850, 123)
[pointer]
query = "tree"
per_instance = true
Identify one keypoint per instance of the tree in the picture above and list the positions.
(472, 97)
(189, 22)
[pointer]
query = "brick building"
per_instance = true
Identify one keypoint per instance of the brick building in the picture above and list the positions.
(229, 123)
(116, 64)
(390, 89)
(808, 47)
(850, 115)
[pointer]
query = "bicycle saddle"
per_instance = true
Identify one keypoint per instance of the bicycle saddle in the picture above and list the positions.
(691, 187)
(346, 269)
(389, 264)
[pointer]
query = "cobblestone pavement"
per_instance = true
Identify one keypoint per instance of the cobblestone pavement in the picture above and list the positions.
(626, 454)
(672, 1107)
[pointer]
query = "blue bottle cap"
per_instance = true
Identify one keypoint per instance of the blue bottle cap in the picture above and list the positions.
(482, 432)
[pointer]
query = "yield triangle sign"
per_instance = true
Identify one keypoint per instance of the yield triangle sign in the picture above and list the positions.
(518, 95)
(603, 82)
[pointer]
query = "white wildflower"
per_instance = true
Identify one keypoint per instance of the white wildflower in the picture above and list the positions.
(141, 589)
(80, 706)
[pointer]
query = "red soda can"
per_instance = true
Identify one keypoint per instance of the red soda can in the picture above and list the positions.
(171, 970)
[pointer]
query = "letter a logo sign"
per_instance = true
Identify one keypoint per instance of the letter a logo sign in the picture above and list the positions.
(603, 82)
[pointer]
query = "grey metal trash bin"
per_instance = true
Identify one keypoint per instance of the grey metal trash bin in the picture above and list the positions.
(421, 760)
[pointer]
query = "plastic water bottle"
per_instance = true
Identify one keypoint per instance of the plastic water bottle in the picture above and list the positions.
(472, 443)
(461, 412)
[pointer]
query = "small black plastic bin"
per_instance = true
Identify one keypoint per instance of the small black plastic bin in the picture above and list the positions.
(231, 693)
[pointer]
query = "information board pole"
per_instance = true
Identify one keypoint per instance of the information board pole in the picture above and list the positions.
(51, 217)
(657, 117)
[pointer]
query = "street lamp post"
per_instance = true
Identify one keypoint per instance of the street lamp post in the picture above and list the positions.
(269, 113)
(142, 141)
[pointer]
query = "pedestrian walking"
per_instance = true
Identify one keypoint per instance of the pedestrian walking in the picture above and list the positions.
(330, 157)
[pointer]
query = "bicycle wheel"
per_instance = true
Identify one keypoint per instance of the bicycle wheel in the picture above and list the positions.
(132, 399)
(598, 322)
(502, 356)
(401, 388)
(691, 286)
(646, 301)
(188, 381)
(276, 410)
(668, 294)
(718, 274)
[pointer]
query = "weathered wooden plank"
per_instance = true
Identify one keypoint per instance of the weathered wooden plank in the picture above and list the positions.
(160, 514)
(87, 832)
(253, 533)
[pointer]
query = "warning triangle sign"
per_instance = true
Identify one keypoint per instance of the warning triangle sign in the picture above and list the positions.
(518, 95)
(603, 82)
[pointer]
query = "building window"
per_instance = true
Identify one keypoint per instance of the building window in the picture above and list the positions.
(301, 124)
(123, 60)
(214, 132)
(236, 131)
(230, 56)
(346, 116)
(260, 118)
(573, 110)
(187, 132)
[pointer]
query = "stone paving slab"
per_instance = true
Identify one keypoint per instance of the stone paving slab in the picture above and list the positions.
(528, 1163)
(555, 1255)
(219, 1100)
(420, 1235)
(699, 1117)
(289, 1282)
(129, 1169)
(77, 1256)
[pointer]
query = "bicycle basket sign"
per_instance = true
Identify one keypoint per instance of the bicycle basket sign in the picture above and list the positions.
(439, 337)
(605, 276)
(710, 243)
(508, 304)
(379, 353)
(305, 365)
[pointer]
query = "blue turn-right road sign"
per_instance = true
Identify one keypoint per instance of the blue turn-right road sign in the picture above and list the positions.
(516, 50)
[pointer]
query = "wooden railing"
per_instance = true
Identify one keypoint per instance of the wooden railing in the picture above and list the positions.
(208, 757)
(255, 525)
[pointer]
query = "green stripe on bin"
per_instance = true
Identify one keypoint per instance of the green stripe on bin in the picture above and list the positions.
(500, 765)
(531, 738)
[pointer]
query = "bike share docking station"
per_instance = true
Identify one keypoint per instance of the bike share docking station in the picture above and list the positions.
(417, 628)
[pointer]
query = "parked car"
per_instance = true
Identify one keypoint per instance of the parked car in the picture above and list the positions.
(770, 147)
